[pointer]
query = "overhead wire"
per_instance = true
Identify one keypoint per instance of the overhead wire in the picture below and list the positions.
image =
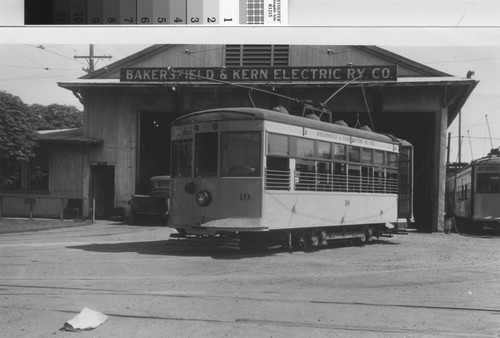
(39, 68)
(37, 78)
(41, 47)
(464, 60)
(120, 50)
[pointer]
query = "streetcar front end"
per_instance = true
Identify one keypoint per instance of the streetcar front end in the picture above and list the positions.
(487, 193)
(216, 183)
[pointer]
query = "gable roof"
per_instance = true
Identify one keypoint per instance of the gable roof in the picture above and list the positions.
(392, 58)
(403, 61)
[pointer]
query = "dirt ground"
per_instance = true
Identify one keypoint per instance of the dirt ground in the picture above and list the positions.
(412, 285)
(11, 225)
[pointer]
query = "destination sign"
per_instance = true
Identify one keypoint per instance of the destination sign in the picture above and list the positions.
(260, 74)
(182, 133)
(348, 139)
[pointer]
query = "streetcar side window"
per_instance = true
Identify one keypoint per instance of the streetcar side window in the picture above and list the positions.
(305, 175)
(206, 154)
(354, 154)
(278, 145)
(182, 158)
(324, 176)
(303, 148)
(366, 156)
(378, 180)
(240, 154)
(354, 178)
(324, 150)
(392, 159)
(277, 173)
(339, 152)
(319, 165)
(392, 181)
(378, 158)
(339, 177)
(278, 162)
(367, 179)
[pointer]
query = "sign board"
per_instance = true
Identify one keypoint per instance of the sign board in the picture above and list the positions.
(260, 74)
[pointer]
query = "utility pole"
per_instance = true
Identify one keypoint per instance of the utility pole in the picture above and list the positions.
(459, 136)
(91, 58)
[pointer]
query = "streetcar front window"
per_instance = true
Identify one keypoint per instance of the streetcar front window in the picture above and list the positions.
(488, 183)
(206, 154)
(182, 158)
(240, 154)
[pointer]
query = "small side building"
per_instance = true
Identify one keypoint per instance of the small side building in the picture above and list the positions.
(49, 185)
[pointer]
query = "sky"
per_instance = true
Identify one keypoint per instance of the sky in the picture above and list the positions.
(31, 71)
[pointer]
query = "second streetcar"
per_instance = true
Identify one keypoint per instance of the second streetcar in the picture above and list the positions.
(473, 193)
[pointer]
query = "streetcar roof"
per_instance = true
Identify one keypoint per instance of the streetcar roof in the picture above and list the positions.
(486, 160)
(248, 113)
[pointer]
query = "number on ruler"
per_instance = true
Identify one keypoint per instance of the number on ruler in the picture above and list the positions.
(145, 20)
(195, 20)
(111, 20)
(177, 20)
(129, 20)
(211, 20)
(162, 20)
(95, 20)
(226, 19)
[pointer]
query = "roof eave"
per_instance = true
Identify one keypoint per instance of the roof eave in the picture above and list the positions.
(453, 114)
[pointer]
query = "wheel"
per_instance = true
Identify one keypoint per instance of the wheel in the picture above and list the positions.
(309, 241)
(314, 239)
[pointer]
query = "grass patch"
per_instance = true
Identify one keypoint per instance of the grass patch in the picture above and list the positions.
(12, 225)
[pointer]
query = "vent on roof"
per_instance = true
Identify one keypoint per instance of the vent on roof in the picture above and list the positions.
(256, 55)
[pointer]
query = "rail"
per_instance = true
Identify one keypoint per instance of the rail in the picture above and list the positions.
(326, 182)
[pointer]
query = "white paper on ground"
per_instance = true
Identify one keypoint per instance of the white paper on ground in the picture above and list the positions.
(87, 319)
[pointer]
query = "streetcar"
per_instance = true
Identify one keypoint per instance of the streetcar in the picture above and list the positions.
(250, 174)
(473, 193)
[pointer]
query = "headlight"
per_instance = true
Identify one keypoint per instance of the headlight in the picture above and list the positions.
(203, 198)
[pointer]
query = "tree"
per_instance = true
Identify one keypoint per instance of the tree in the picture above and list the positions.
(18, 125)
(17, 136)
(56, 116)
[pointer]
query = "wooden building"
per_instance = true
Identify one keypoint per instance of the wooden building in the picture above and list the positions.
(49, 185)
(130, 104)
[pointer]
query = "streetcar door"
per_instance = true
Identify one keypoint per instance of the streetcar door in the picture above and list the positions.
(405, 195)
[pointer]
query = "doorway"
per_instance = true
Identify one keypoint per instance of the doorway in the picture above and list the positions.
(102, 189)
(154, 148)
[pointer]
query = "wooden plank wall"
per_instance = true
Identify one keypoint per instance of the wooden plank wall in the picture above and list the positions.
(65, 181)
